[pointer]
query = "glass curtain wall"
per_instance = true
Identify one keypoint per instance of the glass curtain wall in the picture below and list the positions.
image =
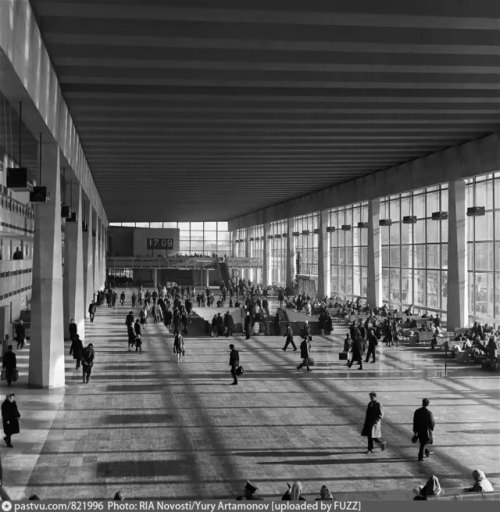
(240, 243)
(483, 251)
(256, 241)
(348, 250)
(306, 244)
(415, 251)
(278, 246)
(205, 238)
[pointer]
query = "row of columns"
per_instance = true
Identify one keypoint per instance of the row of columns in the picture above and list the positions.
(61, 291)
(457, 303)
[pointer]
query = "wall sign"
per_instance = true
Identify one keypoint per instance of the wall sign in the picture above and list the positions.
(160, 243)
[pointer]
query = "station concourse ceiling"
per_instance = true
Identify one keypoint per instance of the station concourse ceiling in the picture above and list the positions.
(210, 110)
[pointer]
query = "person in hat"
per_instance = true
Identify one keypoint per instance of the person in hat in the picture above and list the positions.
(431, 488)
(481, 483)
(373, 423)
(10, 418)
(87, 359)
(423, 427)
(249, 492)
(76, 350)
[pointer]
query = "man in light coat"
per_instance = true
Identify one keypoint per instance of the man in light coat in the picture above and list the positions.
(373, 422)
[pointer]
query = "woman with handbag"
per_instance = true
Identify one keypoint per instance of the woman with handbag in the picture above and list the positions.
(10, 418)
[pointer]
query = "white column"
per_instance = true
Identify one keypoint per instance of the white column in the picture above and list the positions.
(88, 260)
(95, 240)
(73, 266)
(290, 256)
(458, 300)
(374, 271)
(46, 359)
(266, 261)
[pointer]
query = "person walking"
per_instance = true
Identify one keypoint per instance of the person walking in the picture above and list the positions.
(10, 418)
(9, 364)
(76, 350)
(20, 334)
(72, 329)
(423, 427)
(305, 348)
(372, 345)
(356, 352)
(373, 423)
(234, 362)
(87, 362)
(179, 347)
(92, 310)
(129, 322)
(248, 325)
(289, 338)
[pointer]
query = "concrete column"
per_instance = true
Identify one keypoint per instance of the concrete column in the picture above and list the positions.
(458, 300)
(374, 276)
(266, 261)
(46, 358)
(73, 266)
(324, 277)
(290, 256)
(155, 278)
(88, 260)
(95, 240)
(247, 255)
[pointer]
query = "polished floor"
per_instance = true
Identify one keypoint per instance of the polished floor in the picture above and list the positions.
(155, 428)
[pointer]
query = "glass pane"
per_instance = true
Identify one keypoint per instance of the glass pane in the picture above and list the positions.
(419, 252)
(385, 256)
(497, 193)
(484, 227)
(395, 285)
(348, 280)
(419, 206)
(395, 213)
(484, 294)
(484, 194)
(432, 203)
(444, 289)
(348, 255)
(406, 205)
(433, 230)
(406, 255)
(407, 233)
(433, 288)
(384, 235)
(221, 226)
(395, 257)
(470, 229)
(419, 284)
(394, 233)
(433, 260)
(406, 287)
(419, 232)
(385, 284)
(364, 256)
(497, 296)
(444, 256)
(484, 256)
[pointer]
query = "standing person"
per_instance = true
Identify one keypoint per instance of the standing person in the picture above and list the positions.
(372, 345)
(289, 338)
(76, 350)
(87, 362)
(228, 324)
(357, 355)
(423, 427)
(134, 299)
(129, 322)
(234, 362)
(179, 347)
(305, 348)
(20, 334)
(9, 364)
(373, 422)
(248, 325)
(92, 310)
(122, 298)
(10, 418)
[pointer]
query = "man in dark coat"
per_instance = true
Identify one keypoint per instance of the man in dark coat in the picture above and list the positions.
(373, 422)
(76, 350)
(228, 324)
(305, 348)
(234, 362)
(248, 325)
(129, 322)
(87, 362)
(9, 364)
(423, 427)
(20, 334)
(73, 329)
(10, 418)
(92, 310)
(356, 352)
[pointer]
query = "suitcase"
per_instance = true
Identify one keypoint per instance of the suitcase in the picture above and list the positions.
(343, 356)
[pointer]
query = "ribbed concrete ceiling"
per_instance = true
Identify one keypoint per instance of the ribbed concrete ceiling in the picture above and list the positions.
(208, 110)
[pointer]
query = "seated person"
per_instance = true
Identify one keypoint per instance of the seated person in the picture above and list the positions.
(481, 483)
(431, 488)
(324, 494)
(249, 492)
(293, 493)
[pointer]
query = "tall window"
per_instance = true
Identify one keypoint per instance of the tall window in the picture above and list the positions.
(348, 250)
(415, 251)
(483, 251)
(278, 248)
(306, 244)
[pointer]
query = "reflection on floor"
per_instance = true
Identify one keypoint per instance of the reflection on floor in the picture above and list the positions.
(154, 428)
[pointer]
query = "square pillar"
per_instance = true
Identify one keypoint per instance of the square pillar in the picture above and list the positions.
(374, 271)
(290, 256)
(46, 358)
(266, 260)
(458, 301)
(88, 260)
(73, 266)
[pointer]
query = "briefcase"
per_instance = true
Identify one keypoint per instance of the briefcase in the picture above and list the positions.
(15, 375)
(342, 356)
(240, 370)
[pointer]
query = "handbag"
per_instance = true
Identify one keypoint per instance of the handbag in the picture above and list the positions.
(414, 439)
(310, 360)
(240, 370)
(342, 356)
